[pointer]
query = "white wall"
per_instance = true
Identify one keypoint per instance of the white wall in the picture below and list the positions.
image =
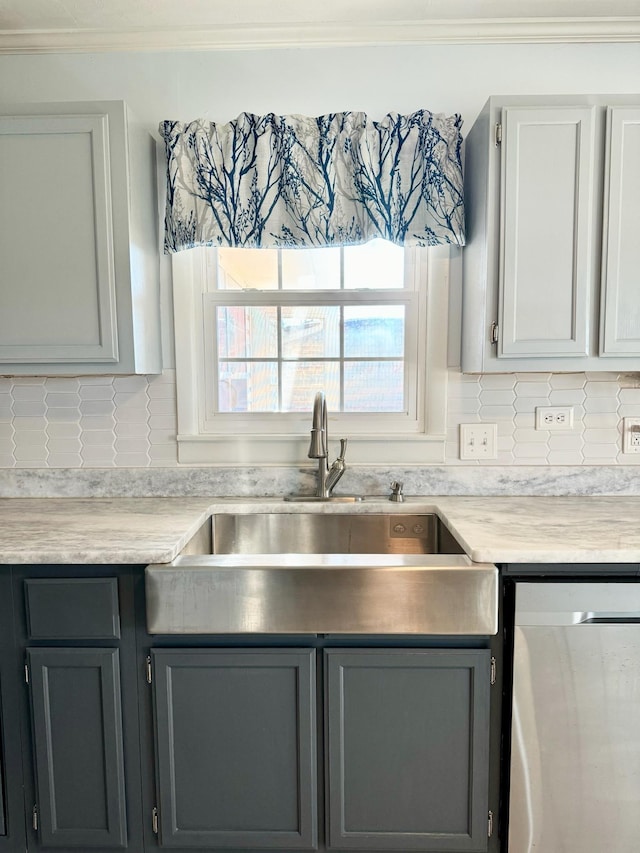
(219, 85)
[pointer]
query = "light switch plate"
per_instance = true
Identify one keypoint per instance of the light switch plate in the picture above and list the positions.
(478, 441)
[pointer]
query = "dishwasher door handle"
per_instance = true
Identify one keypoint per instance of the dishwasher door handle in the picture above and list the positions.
(576, 618)
(604, 618)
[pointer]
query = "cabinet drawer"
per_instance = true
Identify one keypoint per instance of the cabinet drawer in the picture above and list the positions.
(72, 608)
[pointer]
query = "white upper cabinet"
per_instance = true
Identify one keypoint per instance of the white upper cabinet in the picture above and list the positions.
(620, 325)
(79, 261)
(550, 278)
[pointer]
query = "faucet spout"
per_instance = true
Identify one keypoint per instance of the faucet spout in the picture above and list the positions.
(328, 476)
(319, 448)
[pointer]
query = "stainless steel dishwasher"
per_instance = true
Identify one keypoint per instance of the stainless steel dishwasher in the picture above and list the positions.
(575, 742)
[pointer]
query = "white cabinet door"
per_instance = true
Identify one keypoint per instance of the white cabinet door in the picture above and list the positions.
(548, 176)
(550, 269)
(620, 319)
(57, 299)
(79, 270)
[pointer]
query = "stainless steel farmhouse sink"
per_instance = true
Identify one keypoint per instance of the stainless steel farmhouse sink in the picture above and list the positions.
(308, 573)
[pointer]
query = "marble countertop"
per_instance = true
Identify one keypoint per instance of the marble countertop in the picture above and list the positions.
(154, 530)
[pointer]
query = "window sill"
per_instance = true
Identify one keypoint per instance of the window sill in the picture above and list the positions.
(270, 450)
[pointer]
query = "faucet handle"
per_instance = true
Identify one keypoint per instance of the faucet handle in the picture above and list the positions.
(343, 449)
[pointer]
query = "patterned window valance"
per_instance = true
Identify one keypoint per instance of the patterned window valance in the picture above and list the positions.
(294, 181)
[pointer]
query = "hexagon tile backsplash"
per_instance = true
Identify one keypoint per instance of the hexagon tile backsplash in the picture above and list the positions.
(599, 400)
(130, 421)
(92, 422)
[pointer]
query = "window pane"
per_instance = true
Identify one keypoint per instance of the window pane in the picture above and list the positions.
(247, 268)
(247, 332)
(374, 330)
(248, 387)
(311, 331)
(302, 379)
(374, 386)
(310, 269)
(377, 264)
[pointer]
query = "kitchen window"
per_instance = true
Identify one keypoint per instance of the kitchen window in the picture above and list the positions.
(260, 331)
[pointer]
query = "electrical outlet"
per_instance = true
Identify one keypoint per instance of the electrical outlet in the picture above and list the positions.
(554, 417)
(478, 441)
(631, 435)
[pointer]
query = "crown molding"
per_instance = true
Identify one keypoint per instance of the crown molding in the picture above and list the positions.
(277, 36)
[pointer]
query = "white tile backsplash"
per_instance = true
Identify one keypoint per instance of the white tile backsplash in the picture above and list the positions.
(599, 400)
(130, 421)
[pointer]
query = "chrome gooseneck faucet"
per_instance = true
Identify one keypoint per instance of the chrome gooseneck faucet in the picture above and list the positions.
(319, 449)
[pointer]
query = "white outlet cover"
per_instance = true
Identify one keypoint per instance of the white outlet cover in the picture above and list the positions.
(478, 441)
(554, 417)
(631, 435)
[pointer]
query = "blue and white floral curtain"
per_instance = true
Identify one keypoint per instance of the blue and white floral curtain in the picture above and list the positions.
(293, 181)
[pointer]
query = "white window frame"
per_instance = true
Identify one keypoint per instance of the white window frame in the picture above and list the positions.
(416, 437)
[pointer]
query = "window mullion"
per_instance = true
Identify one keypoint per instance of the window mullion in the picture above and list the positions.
(279, 333)
(309, 297)
(279, 362)
(341, 365)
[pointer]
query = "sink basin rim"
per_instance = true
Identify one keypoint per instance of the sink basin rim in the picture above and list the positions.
(287, 560)
(315, 532)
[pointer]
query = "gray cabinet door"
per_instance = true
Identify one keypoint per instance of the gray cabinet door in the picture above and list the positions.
(408, 743)
(77, 731)
(2, 820)
(235, 748)
(12, 828)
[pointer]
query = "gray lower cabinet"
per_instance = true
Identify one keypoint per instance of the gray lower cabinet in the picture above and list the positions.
(407, 746)
(404, 732)
(235, 748)
(287, 744)
(78, 747)
(3, 824)
(78, 722)
(12, 829)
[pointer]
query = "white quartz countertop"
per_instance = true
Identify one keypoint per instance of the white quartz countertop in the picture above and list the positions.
(155, 530)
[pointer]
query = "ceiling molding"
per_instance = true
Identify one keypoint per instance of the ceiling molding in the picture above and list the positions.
(256, 37)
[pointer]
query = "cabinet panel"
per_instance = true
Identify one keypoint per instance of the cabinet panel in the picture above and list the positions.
(77, 730)
(408, 738)
(78, 241)
(56, 240)
(72, 608)
(235, 748)
(620, 329)
(548, 186)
